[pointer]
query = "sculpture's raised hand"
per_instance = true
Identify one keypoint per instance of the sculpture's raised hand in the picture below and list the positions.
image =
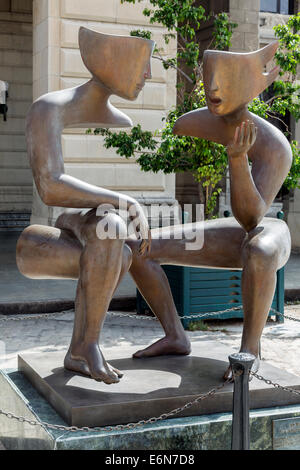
(244, 139)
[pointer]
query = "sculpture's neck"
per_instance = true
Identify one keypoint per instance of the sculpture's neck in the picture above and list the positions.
(89, 106)
(237, 117)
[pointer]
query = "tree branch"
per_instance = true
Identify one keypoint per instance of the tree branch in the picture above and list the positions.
(174, 67)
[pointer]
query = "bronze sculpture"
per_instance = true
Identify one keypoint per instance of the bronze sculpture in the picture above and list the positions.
(119, 65)
(257, 245)
(248, 242)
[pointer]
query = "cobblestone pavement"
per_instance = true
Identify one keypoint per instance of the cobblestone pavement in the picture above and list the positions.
(280, 341)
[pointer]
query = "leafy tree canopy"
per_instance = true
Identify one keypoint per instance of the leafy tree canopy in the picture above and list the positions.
(207, 161)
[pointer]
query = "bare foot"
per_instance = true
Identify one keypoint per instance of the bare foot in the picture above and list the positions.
(166, 346)
(77, 365)
(254, 368)
(88, 359)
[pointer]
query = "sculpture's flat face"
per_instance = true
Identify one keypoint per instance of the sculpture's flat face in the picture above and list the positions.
(222, 82)
(132, 82)
(120, 63)
(232, 80)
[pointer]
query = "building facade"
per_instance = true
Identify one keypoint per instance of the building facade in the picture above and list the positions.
(39, 54)
(255, 19)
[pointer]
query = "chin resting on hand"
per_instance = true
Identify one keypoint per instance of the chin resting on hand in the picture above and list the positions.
(244, 139)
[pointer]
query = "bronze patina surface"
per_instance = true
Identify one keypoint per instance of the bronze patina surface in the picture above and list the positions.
(119, 65)
(256, 245)
(260, 158)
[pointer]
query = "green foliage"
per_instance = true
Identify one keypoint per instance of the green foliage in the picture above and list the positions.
(127, 144)
(141, 34)
(288, 55)
(223, 32)
(207, 161)
(199, 325)
(292, 181)
(287, 91)
(165, 151)
(259, 107)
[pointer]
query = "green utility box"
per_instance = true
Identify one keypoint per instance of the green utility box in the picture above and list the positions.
(197, 290)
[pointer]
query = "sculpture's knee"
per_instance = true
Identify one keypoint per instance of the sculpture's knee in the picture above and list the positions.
(110, 227)
(262, 254)
(48, 253)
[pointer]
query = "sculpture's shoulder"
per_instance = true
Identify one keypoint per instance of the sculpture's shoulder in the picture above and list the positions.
(197, 123)
(44, 124)
(48, 105)
(272, 142)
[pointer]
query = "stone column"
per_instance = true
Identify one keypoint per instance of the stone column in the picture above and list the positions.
(246, 14)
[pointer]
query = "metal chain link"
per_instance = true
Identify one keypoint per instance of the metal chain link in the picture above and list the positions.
(119, 427)
(162, 417)
(107, 428)
(50, 316)
(44, 316)
(185, 317)
(276, 385)
(285, 316)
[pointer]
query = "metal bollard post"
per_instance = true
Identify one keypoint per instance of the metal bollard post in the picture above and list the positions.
(241, 364)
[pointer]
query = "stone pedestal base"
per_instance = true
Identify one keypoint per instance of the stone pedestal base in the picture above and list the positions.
(149, 388)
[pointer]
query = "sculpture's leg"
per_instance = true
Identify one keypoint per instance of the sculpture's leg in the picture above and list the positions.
(226, 245)
(264, 252)
(57, 253)
(153, 285)
(79, 322)
(100, 269)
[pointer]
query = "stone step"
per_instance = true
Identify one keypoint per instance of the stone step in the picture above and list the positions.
(15, 74)
(15, 58)
(15, 42)
(14, 221)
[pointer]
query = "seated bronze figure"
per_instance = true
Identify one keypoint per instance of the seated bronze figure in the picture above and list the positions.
(119, 65)
(259, 246)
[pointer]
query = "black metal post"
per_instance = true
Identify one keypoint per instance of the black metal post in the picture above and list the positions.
(241, 364)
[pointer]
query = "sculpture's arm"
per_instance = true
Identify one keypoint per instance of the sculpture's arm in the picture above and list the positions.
(55, 187)
(247, 203)
(252, 192)
(197, 123)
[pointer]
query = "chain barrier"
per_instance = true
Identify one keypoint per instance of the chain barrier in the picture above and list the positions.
(163, 417)
(153, 420)
(37, 316)
(50, 316)
(185, 317)
(288, 317)
(119, 427)
(274, 384)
